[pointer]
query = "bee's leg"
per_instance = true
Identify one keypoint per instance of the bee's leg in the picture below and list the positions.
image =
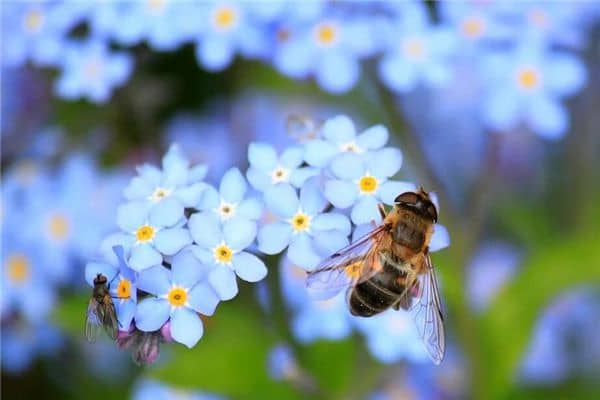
(381, 210)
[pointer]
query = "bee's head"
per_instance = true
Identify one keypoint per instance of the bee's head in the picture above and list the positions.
(418, 201)
(100, 279)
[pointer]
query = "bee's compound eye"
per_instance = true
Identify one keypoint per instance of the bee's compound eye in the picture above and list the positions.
(407, 197)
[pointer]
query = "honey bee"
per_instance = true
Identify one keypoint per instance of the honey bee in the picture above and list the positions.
(391, 267)
(101, 311)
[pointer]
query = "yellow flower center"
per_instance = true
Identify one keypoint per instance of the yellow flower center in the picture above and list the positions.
(280, 174)
(353, 270)
(17, 268)
(326, 304)
(367, 184)
(283, 35)
(528, 78)
(58, 227)
(156, 5)
(124, 289)
(225, 18)
(92, 68)
(538, 18)
(298, 273)
(226, 210)
(473, 27)
(414, 49)
(351, 147)
(327, 34)
(33, 21)
(159, 194)
(223, 254)
(144, 233)
(177, 297)
(300, 222)
(26, 172)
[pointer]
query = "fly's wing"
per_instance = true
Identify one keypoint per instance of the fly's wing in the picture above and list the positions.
(92, 321)
(347, 267)
(109, 319)
(427, 312)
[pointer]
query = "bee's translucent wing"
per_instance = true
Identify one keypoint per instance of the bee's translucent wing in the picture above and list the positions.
(427, 313)
(346, 267)
(109, 320)
(92, 321)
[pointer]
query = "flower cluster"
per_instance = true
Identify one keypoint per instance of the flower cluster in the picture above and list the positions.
(512, 48)
(184, 243)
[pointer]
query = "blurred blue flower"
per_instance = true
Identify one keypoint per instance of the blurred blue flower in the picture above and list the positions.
(23, 342)
(416, 51)
(281, 362)
(176, 181)
(151, 232)
(122, 285)
(222, 245)
(527, 85)
(91, 70)
(309, 232)
(147, 389)
(268, 169)
(492, 266)
(339, 136)
(227, 30)
(361, 182)
(180, 293)
(392, 336)
(311, 319)
(230, 201)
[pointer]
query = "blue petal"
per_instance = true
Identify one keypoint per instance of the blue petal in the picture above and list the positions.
(338, 72)
(302, 253)
(258, 179)
(239, 232)
(187, 270)
(331, 221)
(131, 216)
(342, 194)
(170, 241)
(547, 117)
(388, 191)
(348, 166)
(273, 238)
(203, 298)
(197, 173)
(249, 267)
(186, 327)
(250, 208)
(300, 175)
(205, 229)
(125, 312)
(138, 188)
(282, 200)
(365, 210)
(191, 195)
(440, 238)
(397, 74)
(339, 130)
(214, 53)
(327, 243)
(565, 74)
(155, 280)
(312, 200)
(167, 212)
(292, 157)
(384, 163)
(94, 268)
(262, 156)
(223, 280)
(205, 256)
(151, 314)
(210, 199)
(501, 109)
(37, 304)
(233, 186)
(373, 138)
(144, 256)
(319, 152)
(116, 239)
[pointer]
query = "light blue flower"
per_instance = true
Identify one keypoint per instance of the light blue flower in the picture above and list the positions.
(180, 293)
(527, 85)
(177, 181)
(392, 336)
(23, 342)
(303, 226)
(416, 52)
(91, 70)
(268, 169)
(230, 201)
(222, 245)
(339, 136)
(151, 233)
(121, 283)
(227, 30)
(361, 182)
(281, 363)
(147, 389)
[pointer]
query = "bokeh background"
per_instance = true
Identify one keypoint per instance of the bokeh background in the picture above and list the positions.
(494, 106)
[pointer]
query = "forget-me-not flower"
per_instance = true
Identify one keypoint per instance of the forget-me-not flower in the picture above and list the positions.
(309, 232)
(221, 245)
(181, 293)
